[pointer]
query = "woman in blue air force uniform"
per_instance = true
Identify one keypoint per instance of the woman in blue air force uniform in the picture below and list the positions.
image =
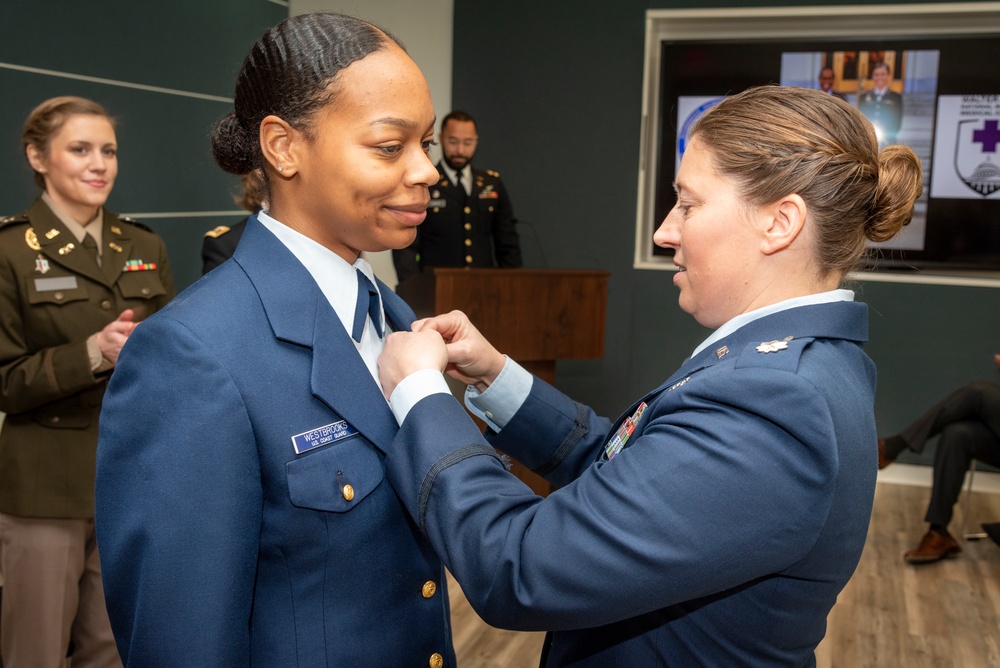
(716, 520)
(242, 510)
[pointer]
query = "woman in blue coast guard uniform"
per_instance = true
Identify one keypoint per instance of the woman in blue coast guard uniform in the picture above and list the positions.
(242, 510)
(715, 521)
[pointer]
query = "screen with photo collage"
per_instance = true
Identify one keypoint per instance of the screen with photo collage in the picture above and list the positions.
(940, 96)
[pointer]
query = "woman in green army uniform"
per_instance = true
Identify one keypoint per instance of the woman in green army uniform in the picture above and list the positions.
(74, 280)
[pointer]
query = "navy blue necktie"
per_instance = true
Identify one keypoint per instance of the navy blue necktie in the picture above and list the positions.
(367, 306)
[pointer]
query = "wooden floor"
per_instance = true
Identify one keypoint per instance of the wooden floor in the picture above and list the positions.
(943, 615)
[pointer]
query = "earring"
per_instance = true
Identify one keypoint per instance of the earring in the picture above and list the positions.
(281, 169)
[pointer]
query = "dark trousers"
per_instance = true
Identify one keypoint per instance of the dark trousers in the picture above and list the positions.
(968, 422)
(960, 443)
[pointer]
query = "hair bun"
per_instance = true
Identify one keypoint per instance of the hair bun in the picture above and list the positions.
(900, 183)
(232, 148)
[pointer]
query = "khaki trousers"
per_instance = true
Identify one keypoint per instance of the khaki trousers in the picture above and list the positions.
(52, 594)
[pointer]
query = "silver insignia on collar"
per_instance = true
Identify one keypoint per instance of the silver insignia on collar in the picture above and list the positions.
(772, 346)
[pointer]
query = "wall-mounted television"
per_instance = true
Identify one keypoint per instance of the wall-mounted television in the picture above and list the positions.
(925, 75)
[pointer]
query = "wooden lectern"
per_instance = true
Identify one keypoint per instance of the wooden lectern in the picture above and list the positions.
(535, 316)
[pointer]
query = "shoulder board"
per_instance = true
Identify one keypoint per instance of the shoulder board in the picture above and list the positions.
(493, 173)
(135, 223)
(19, 218)
(217, 232)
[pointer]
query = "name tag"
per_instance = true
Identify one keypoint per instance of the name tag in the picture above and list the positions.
(437, 202)
(55, 283)
(320, 436)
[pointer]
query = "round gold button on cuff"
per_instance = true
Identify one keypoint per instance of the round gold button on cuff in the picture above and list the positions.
(436, 660)
(429, 589)
(348, 492)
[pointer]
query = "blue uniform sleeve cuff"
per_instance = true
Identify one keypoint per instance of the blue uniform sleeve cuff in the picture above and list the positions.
(501, 400)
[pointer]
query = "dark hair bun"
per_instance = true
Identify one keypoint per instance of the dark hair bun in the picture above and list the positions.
(232, 147)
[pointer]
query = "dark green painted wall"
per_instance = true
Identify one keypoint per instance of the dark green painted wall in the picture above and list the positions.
(164, 163)
(557, 90)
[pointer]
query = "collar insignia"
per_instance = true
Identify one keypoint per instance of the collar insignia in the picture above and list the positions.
(31, 239)
(774, 346)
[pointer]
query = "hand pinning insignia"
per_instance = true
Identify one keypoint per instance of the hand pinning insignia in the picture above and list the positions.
(772, 346)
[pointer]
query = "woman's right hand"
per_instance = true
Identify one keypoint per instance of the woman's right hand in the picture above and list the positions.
(471, 358)
(111, 339)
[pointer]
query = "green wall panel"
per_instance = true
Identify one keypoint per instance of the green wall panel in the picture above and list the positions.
(191, 48)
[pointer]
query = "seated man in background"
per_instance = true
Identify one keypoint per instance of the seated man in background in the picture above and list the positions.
(968, 422)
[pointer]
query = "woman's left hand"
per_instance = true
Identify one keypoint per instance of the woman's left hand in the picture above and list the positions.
(409, 352)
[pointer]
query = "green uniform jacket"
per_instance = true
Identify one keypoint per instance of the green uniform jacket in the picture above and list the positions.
(53, 295)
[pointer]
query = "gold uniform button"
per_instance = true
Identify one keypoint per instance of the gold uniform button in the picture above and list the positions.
(436, 660)
(468, 226)
(106, 304)
(145, 291)
(58, 296)
(436, 209)
(348, 492)
(491, 209)
(468, 242)
(468, 259)
(54, 419)
(429, 589)
(468, 210)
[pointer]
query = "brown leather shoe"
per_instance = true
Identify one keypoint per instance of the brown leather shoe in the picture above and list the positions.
(933, 546)
(883, 459)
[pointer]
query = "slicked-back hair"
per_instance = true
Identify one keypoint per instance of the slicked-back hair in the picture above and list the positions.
(290, 72)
